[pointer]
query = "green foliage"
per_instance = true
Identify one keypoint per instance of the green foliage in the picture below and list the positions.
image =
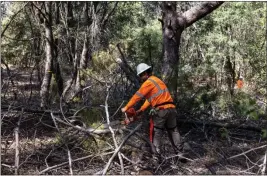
(90, 146)
(205, 47)
(146, 44)
(76, 99)
(91, 117)
(16, 44)
(245, 106)
(264, 133)
(104, 61)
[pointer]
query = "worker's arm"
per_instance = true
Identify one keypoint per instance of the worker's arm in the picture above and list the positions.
(141, 93)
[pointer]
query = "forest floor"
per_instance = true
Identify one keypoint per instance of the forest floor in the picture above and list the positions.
(240, 152)
(213, 150)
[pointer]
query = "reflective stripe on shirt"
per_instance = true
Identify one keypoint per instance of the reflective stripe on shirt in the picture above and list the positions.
(139, 94)
(160, 91)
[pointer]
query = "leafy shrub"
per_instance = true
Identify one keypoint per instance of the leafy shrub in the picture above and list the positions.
(246, 106)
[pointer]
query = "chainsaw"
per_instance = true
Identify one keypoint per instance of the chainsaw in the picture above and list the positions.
(130, 116)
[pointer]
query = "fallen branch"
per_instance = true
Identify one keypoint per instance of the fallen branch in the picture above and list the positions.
(67, 162)
(12, 108)
(112, 132)
(69, 155)
(246, 152)
(263, 171)
(70, 161)
(180, 156)
(88, 130)
(118, 149)
(6, 165)
(16, 131)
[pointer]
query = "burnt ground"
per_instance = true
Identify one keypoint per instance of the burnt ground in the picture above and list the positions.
(212, 150)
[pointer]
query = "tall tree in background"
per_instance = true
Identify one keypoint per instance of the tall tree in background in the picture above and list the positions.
(173, 24)
(46, 18)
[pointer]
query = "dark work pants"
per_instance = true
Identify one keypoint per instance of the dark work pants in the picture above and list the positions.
(166, 118)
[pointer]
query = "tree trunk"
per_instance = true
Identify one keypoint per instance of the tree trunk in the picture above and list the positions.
(81, 66)
(173, 26)
(49, 57)
(171, 42)
(265, 66)
(56, 67)
(85, 54)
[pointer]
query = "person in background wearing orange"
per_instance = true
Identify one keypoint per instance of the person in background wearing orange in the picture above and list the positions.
(240, 82)
(157, 95)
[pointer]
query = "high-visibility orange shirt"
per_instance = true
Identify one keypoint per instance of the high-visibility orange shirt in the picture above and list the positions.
(240, 84)
(155, 91)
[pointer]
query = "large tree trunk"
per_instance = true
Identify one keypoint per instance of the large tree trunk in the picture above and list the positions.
(49, 57)
(173, 26)
(171, 42)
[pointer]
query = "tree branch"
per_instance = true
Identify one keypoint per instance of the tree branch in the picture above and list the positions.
(12, 18)
(246, 152)
(16, 131)
(118, 149)
(263, 171)
(78, 159)
(107, 16)
(112, 131)
(195, 13)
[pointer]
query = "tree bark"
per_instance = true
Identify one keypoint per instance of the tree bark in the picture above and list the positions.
(171, 42)
(49, 57)
(56, 67)
(172, 28)
(266, 62)
(85, 54)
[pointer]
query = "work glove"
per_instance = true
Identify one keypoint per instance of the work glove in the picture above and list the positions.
(129, 113)
(132, 116)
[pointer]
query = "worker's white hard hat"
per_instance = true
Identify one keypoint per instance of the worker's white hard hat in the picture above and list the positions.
(141, 68)
(240, 77)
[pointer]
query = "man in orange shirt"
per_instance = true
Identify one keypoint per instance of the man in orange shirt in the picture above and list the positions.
(157, 95)
(240, 82)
